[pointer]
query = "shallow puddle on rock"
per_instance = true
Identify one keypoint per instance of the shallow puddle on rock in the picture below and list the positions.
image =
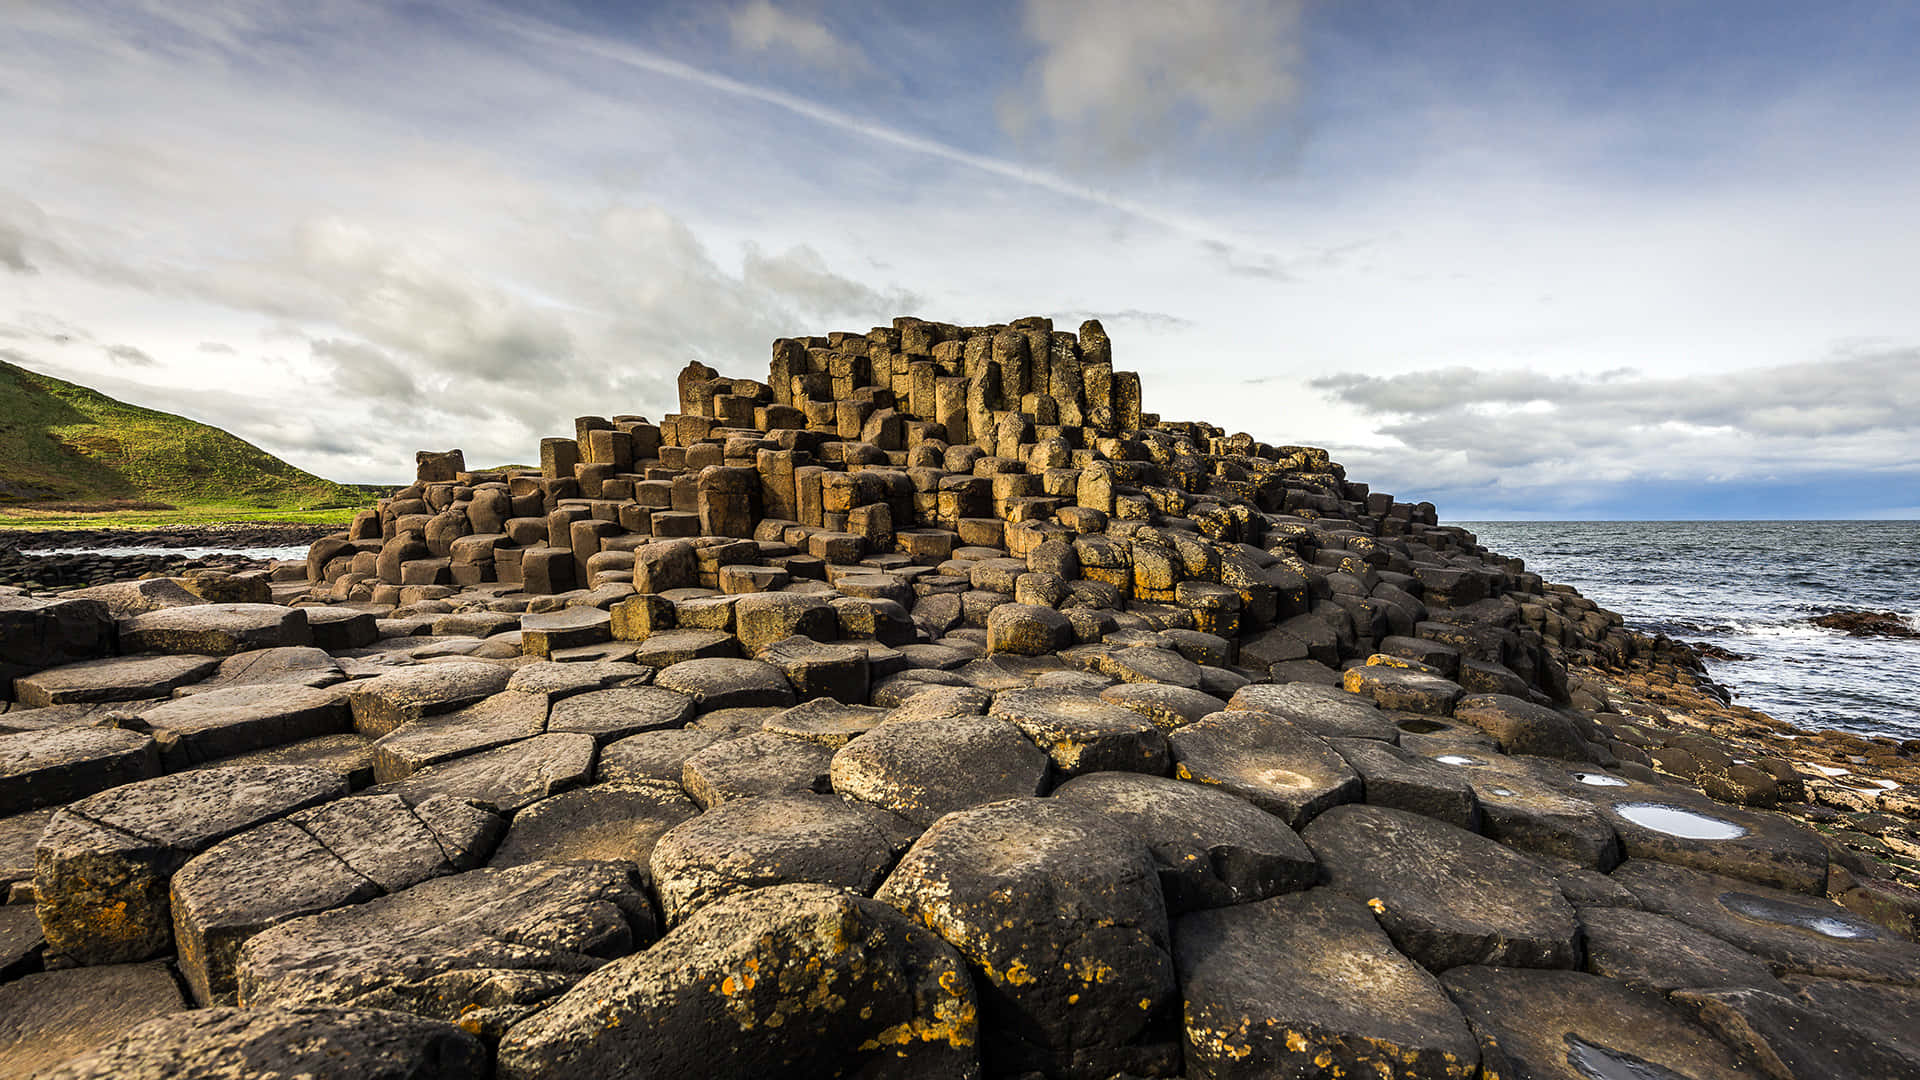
(1421, 727)
(1458, 759)
(1596, 1062)
(1505, 793)
(1828, 925)
(1595, 779)
(1674, 821)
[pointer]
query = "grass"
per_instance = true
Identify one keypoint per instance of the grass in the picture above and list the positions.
(73, 457)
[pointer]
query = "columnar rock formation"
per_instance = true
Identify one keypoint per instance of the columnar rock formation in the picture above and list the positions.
(926, 710)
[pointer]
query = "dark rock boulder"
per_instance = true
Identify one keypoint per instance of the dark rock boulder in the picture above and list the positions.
(508, 778)
(728, 684)
(1395, 778)
(383, 703)
(1267, 761)
(746, 844)
(48, 768)
(315, 860)
(1213, 848)
(481, 948)
(1565, 1025)
(506, 717)
(102, 869)
(1521, 727)
(119, 678)
(1662, 954)
(763, 763)
(793, 981)
(1326, 711)
(1082, 733)
(1795, 934)
(215, 629)
(310, 1043)
(49, 1017)
(907, 766)
(617, 713)
(1446, 896)
(1057, 910)
(221, 723)
(1790, 1039)
(604, 822)
(1308, 985)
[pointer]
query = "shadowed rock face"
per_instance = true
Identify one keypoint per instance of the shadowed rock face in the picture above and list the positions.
(956, 718)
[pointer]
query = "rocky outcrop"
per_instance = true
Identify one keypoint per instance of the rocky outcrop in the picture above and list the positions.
(926, 709)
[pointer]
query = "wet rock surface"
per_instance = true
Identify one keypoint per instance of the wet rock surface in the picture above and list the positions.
(955, 717)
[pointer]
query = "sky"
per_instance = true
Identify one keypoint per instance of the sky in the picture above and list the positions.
(1576, 260)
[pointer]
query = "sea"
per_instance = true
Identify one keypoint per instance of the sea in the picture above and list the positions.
(1750, 587)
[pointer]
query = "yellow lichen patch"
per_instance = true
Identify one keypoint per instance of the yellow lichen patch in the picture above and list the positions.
(1017, 974)
(1296, 1042)
(1379, 908)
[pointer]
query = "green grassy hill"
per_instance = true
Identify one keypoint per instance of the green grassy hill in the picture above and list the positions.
(65, 445)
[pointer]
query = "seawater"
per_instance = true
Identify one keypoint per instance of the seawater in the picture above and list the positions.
(295, 554)
(1750, 587)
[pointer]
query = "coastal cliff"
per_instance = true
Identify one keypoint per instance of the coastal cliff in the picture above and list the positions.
(930, 709)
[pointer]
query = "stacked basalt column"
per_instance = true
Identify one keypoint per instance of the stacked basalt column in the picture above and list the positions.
(905, 445)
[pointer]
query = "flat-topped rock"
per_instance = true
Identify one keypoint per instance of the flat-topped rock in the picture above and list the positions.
(1308, 985)
(820, 669)
(508, 778)
(716, 997)
(1169, 707)
(1404, 690)
(1674, 825)
(1789, 1036)
(1148, 665)
(825, 721)
(762, 763)
(1396, 778)
(125, 599)
(506, 717)
(51, 1016)
(728, 684)
(483, 948)
(102, 869)
(1084, 734)
(36, 634)
(907, 766)
(657, 758)
(1565, 1025)
(747, 844)
(288, 665)
(606, 822)
(1793, 933)
(1522, 727)
(1662, 954)
(1446, 896)
(617, 713)
(559, 681)
(665, 648)
(383, 703)
(215, 629)
(544, 632)
(240, 719)
(1267, 761)
(1057, 911)
(48, 768)
(1325, 711)
(119, 678)
(317, 1043)
(340, 853)
(1213, 849)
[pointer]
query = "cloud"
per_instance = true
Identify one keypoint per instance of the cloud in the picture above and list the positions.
(759, 26)
(1148, 320)
(128, 356)
(1522, 439)
(801, 277)
(217, 348)
(1119, 80)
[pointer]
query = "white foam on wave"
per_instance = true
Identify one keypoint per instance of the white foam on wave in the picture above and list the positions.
(264, 553)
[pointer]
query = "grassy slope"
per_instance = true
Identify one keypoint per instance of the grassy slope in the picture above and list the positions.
(64, 443)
